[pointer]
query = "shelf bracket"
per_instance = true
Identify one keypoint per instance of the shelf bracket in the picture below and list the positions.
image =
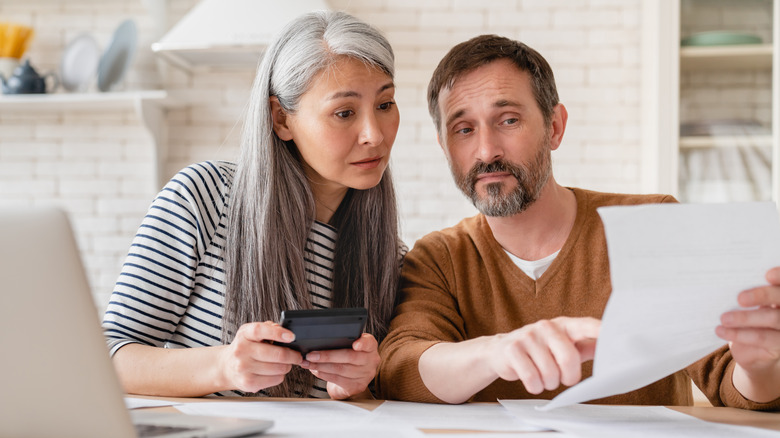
(152, 116)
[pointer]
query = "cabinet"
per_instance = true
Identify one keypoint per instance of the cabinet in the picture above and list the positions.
(711, 112)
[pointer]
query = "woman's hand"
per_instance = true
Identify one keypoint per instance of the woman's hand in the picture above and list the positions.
(347, 371)
(251, 363)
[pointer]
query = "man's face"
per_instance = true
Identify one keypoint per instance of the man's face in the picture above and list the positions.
(495, 138)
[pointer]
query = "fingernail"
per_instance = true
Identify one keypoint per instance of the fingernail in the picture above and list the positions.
(288, 337)
(305, 364)
(773, 276)
(313, 357)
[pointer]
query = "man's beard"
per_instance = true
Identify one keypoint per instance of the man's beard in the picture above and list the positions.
(531, 179)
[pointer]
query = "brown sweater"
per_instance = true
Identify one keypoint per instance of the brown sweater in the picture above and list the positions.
(459, 284)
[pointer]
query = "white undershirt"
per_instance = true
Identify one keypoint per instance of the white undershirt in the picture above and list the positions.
(533, 268)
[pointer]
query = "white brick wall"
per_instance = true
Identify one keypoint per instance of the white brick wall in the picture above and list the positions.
(593, 48)
(100, 164)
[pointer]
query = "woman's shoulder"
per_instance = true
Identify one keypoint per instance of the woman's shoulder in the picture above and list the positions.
(203, 186)
(212, 175)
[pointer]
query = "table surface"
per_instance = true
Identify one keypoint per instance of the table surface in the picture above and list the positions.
(740, 417)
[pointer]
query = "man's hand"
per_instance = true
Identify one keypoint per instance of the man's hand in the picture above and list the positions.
(543, 355)
(754, 340)
(546, 354)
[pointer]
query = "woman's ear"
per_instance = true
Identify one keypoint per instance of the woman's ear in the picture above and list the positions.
(279, 116)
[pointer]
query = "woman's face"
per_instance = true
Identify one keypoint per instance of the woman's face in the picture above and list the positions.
(344, 128)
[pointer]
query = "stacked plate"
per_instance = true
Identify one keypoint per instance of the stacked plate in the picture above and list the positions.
(79, 63)
(82, 60)
(720, 38)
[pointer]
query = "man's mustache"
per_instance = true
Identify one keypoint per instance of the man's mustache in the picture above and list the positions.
(494, 166)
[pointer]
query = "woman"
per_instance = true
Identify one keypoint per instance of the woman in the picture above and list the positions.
(305, 219)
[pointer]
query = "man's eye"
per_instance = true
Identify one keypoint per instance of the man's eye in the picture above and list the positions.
(464, 131)
(511, 121)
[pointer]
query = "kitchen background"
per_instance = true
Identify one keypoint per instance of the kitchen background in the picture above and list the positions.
(105, 160)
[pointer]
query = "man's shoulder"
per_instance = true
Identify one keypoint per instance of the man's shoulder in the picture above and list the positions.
(602, 199)
(463, 243)
(464, 232)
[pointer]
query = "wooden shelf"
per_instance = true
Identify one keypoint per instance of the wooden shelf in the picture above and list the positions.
(737, 57)
(704, 141)
(83, 101)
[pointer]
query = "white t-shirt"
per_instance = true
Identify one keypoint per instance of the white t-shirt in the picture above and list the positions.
(533, 268)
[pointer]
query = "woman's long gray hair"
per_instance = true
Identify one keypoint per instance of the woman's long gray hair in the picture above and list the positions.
(272, 207)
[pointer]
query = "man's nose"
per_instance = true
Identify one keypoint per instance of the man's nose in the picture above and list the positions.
(489, 148)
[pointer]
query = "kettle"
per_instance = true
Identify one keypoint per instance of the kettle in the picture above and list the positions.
(26, 80)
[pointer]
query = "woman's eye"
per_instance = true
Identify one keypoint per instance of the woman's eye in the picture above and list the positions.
(344, 114)
(386, 106)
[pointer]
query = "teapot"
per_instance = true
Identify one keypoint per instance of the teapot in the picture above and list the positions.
(26, 80)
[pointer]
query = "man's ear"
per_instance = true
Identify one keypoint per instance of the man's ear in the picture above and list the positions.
(441, 145)
(559, 118)
(442, 141)
(279, 116)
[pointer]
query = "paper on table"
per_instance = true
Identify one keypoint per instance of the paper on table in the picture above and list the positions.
(458, 434)
(599, 421)
(305, 418)
(675, 269)
(482, 417)
(136, 402)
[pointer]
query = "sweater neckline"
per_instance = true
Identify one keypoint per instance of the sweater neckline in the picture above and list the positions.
(566, 249)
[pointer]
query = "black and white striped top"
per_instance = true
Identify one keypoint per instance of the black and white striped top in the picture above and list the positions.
(171, 290)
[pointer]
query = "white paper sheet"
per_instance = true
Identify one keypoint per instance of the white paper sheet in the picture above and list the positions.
(675, 269)
(306, 418)
(478, 417)
(136, 402)
(546, 434)
(600, 421)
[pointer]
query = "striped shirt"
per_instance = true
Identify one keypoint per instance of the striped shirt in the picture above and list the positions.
(170, 292)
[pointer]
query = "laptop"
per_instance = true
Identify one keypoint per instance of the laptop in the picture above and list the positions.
(56, 376)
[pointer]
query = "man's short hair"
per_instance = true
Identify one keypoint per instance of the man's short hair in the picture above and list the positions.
(484, 49)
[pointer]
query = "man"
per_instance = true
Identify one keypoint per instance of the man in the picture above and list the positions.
(506, 304)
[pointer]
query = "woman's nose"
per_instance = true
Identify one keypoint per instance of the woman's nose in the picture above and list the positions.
(370, 131)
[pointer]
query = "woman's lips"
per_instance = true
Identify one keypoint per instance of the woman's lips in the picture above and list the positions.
(368, 163)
